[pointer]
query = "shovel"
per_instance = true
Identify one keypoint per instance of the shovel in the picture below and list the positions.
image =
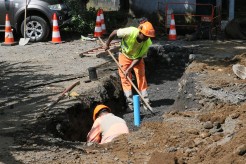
(24, 41)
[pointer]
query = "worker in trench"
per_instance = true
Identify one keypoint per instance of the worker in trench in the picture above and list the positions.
(106, 126)
(134, 46)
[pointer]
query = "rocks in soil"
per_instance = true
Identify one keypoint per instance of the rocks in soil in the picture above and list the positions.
(208, 125)
(205, 134)
(241, 150)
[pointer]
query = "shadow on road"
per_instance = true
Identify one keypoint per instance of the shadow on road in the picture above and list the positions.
(20, 106)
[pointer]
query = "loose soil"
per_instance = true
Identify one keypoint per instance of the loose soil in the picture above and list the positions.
(199, 104)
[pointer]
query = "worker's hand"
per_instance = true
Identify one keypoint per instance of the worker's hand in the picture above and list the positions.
(106, 46)
(127, 72)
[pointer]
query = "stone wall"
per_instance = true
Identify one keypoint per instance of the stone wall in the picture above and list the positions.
(107, 5)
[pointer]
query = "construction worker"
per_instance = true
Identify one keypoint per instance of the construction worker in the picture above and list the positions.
(106, 126)
(134, 46)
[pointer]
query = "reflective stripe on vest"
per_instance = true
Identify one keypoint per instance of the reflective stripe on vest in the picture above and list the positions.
(128, 42)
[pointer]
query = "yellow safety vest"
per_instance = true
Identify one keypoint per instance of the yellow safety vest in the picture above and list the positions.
(128, 43)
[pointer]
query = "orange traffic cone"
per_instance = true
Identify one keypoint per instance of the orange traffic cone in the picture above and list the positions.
(9, 38)
(102, 22)
(56, 38)
(98, 28)
(172, 31)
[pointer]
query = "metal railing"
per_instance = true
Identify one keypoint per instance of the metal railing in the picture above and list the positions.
(192, 16)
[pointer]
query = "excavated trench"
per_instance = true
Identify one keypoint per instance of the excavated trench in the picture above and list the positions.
(165, 66)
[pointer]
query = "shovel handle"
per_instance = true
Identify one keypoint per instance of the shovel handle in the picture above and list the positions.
(145, 102)
(62, 95)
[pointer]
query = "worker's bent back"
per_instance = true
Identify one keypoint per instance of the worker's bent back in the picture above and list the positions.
(111, 126)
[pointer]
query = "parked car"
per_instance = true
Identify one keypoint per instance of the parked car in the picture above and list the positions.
(39, 16)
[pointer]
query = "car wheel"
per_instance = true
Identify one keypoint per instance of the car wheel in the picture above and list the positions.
(37, 29)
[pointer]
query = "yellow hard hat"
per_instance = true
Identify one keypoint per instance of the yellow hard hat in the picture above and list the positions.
(98, 109)
(147, 29)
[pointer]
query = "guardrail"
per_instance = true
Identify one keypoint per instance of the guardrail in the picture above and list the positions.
(192, 16)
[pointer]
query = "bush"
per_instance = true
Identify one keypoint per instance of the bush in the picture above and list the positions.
(84, 20)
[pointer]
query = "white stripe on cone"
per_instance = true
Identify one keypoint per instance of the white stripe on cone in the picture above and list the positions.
(56, 34)
(98, 19)
(55, 23)
(9, 35)
(172, 32)
(98, 29)
(101, 16)
(7, 24)
(172, 22)
(103, 24)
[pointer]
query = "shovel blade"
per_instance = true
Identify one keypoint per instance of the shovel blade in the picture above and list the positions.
(23, 41)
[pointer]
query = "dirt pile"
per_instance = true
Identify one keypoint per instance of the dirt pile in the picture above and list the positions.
(214, 132)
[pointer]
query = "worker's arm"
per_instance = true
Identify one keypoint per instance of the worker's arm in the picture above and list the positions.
(110, 38)
(134, 62)
(95, 133)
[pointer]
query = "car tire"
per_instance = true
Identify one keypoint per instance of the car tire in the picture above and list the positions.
(37, 28)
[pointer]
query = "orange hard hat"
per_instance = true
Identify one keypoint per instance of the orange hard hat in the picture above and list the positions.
(147, 29)
(98, 109)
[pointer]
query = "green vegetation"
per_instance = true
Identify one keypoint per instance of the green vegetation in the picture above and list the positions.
(83, 20)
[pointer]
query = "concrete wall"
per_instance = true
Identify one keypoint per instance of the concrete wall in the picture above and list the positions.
(107, 5)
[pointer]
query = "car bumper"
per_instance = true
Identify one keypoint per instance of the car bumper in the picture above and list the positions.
(68, 21)
(64, 17)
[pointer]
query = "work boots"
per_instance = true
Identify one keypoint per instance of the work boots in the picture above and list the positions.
(129, 103)
(147, 101)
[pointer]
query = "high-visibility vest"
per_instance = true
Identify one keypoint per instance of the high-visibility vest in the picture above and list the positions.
(128, 43)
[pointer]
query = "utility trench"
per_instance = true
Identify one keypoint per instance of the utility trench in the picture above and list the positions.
(165, 65)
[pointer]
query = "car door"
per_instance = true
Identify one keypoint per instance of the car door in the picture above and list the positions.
(6, 6)
(2, 12)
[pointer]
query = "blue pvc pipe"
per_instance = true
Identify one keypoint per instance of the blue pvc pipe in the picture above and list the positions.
(136, 106)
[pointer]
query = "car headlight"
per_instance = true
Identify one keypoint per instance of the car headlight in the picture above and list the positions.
(55, 7)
